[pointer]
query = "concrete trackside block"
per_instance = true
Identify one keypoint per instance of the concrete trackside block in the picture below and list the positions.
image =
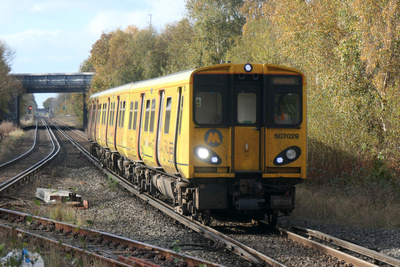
(54, 195)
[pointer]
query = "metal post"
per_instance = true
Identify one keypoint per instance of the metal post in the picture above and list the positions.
(17, 111)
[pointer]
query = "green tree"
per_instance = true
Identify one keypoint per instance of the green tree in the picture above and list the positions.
(48, 104)
(177, 39)
(9, 87)
(124, 56)
(217, 24)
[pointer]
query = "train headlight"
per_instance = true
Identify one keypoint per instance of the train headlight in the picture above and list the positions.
(203, 153)
(287, 156)
(206, 155)
(248, 67)
(291, 154)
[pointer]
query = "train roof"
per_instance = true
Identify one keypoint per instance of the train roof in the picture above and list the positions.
(181, 76)
(150, 82)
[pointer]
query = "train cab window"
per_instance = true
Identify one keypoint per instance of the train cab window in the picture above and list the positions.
(146, 119)
(247, 108)
(152, 114)
(287, 109)
(167, 115)
(135, 114)
(208, 108)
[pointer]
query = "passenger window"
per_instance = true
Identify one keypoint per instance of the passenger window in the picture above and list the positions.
(208, 107)
(287, 109)
(167, 115)
(153, 114)
(135, 116)
(181, 115)
(130, 116)
(121, 114)
(104, 119)
(112, 113)
(98, 113)
(246, 108)
(146, 119)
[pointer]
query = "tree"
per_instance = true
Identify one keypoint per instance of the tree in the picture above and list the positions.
(217, 24)
(9, 86)
(178, 38)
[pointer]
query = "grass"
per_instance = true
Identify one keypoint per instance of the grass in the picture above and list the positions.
(10, 134)
(52, 255)
(329, 205)
(342, 189)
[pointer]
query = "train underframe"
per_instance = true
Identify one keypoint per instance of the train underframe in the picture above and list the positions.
(247, 196)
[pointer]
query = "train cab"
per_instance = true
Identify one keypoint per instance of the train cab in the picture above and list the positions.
(249, 130)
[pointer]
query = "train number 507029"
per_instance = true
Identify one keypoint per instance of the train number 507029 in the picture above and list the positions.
(286, 136)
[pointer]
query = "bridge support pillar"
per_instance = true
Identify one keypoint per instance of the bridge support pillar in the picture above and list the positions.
(85, 112)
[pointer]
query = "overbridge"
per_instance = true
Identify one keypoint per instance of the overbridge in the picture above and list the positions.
(56, 83)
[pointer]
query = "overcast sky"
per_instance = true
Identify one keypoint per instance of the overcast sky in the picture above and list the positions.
(56, 36)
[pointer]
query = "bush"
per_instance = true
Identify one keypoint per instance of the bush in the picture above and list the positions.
(7, 127)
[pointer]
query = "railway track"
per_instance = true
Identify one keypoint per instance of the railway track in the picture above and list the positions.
(110, 250)
(40, 160)
(336, 246)
(354, 255)
(25, 154)
(249, 252)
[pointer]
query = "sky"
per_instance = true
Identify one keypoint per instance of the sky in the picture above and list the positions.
(51, 36)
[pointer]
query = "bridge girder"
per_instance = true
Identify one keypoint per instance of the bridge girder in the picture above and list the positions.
(56, 82)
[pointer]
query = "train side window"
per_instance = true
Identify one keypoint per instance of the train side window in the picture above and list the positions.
(287, 109)
(130, 116)
(98, 113)
(103, 119)
(181, 115)
(208, 107)
(135, 114)
(121, 114)
(152, 114)
(167, 115)
(112, 113)
(146, 119)
(247, 108)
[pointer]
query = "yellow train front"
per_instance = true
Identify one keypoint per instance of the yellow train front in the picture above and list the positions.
(236, 138)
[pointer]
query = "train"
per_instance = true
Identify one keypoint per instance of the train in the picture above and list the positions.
(228, 138)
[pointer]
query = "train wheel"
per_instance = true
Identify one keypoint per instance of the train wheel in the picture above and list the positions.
(272, 218)
(206, 217)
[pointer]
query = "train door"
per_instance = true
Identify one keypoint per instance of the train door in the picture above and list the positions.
(159, 127)
(139, 131)
(247, 129)
(93, 127)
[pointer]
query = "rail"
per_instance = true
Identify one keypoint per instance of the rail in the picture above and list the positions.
(234, 245)
(55, 150)
(8, 163)
(376, 256)
(103, 246)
